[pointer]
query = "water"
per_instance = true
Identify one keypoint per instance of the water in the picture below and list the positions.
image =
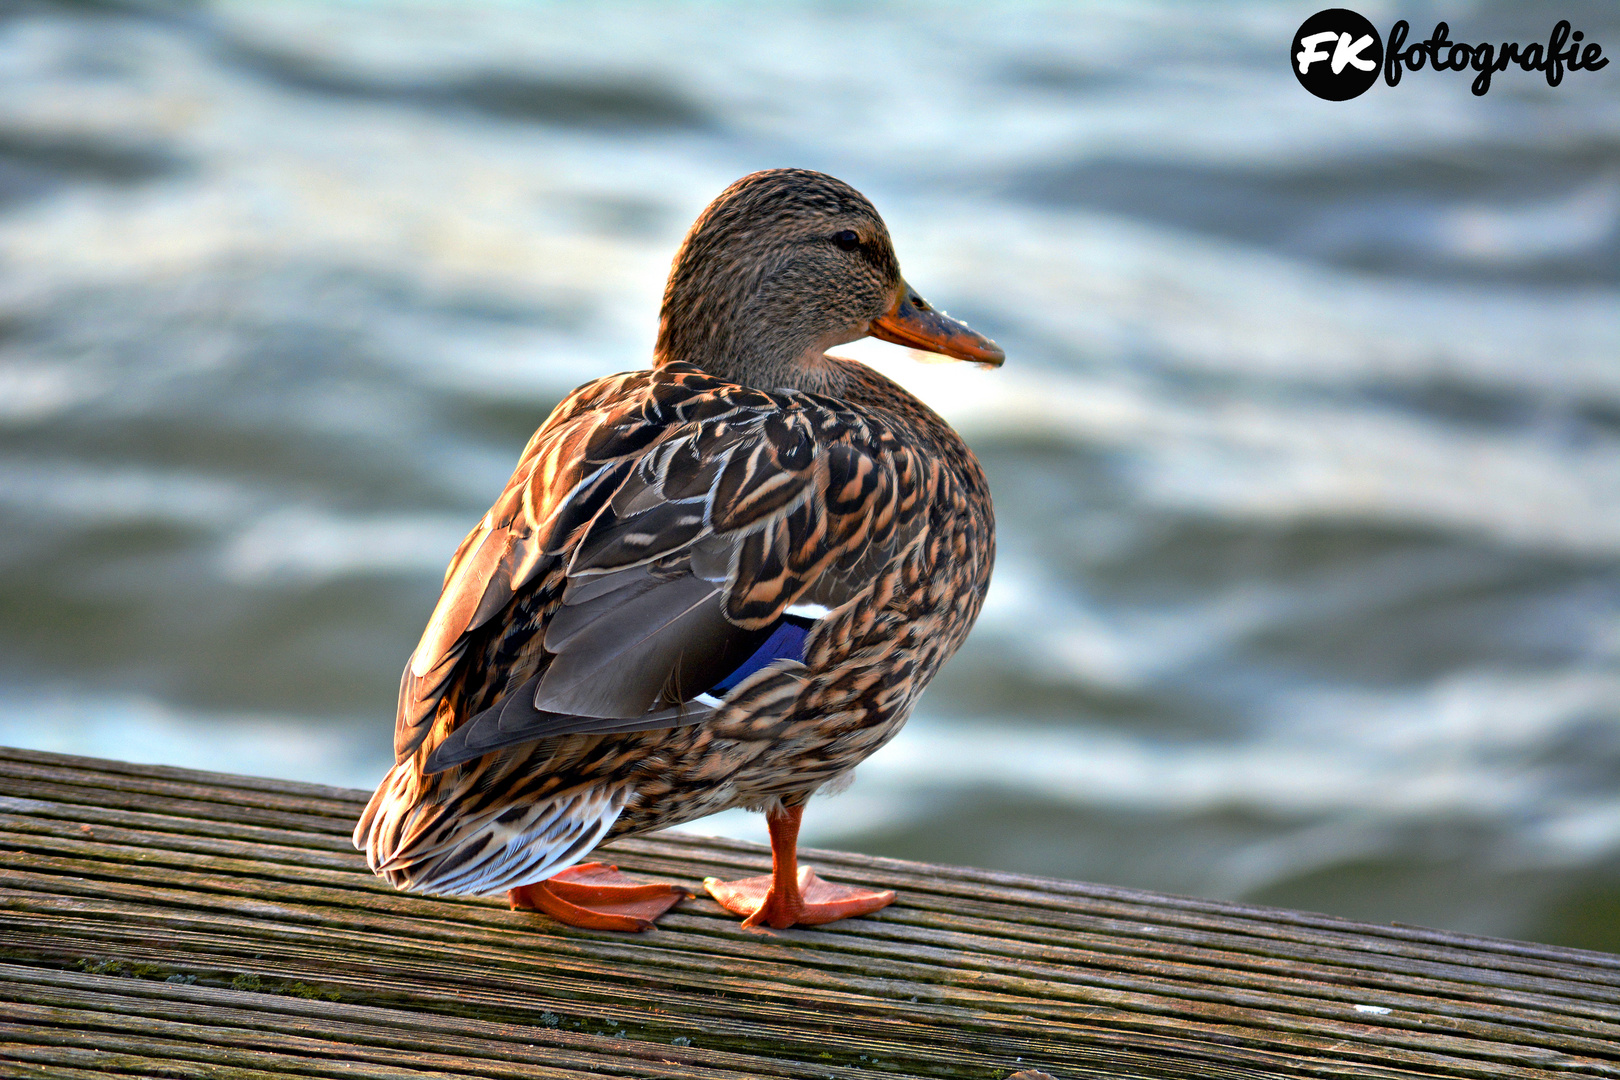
(1306, 456)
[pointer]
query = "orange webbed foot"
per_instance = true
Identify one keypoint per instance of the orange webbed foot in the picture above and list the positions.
(594, 896)
(813, 903)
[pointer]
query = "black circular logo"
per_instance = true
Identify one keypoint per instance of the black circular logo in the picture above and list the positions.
(1336, 54)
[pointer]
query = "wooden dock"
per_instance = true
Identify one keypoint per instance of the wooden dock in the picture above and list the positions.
(161, 922)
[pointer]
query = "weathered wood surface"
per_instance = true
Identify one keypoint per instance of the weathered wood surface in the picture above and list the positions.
(164, 922)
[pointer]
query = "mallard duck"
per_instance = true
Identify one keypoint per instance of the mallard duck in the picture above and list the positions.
(720, 582)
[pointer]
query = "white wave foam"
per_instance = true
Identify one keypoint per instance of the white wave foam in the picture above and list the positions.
(149, 731)
(1100, 645)
(1280, 460)
(1492, 234)
(1338, 776)
(105, 493)
(306, 545)
(1457, 751)
(1118, 292)
(30, 392)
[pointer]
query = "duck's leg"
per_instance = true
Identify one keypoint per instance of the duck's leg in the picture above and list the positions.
(788, 894)
(594, 896)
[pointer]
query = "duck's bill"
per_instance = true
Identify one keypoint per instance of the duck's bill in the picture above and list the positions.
(911, 322)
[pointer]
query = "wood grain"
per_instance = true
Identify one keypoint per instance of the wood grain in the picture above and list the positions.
(164, 922)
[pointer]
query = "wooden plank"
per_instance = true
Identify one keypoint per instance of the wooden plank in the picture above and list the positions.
(997, 939)
(1290, 999)
(988, 953)
(295, 961)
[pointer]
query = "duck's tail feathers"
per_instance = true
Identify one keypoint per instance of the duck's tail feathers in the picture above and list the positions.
(422, 845)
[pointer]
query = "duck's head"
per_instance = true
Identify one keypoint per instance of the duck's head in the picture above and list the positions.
(783, 266)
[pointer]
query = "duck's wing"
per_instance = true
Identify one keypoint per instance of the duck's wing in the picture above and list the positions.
(681, 518)
(504, 553)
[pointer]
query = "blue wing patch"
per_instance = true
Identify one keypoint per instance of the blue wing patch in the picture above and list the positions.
(785, 643)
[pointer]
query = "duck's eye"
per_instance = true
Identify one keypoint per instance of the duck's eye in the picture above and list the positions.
(846, 239)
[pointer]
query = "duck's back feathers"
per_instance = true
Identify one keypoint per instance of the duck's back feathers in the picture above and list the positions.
(650, 541)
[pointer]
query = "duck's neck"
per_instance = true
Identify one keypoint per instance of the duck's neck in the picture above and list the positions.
(816, 374)
(765, 360)
(757, 334)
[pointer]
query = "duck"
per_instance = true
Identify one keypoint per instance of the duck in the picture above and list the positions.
(722, 581)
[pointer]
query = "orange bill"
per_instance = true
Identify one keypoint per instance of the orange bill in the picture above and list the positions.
(911, 322)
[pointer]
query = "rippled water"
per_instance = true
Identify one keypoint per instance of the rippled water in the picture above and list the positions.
(1306, 456)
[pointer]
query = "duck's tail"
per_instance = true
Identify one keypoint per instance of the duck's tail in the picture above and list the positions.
(420, 835)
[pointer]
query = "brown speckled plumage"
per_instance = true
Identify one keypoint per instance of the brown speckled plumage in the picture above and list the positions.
(657, 527)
